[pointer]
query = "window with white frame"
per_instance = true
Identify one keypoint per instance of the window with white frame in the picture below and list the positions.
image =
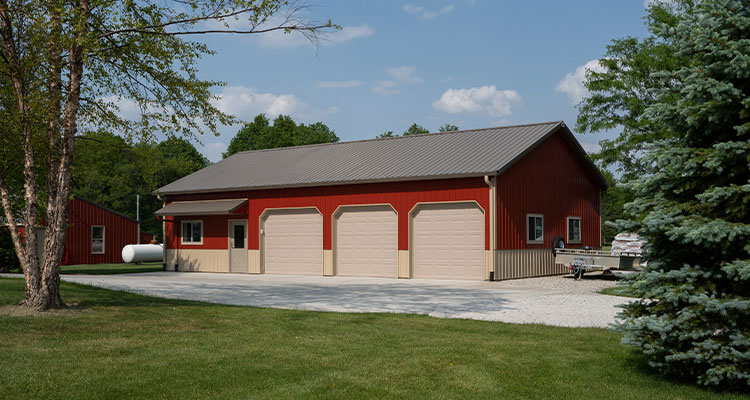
(97, 239)
(574, 229)
(534, 228)
(192, 232)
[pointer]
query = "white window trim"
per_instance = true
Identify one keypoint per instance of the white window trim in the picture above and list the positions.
(104, 239)
(527, 229)
(567, 229)
(182, 226)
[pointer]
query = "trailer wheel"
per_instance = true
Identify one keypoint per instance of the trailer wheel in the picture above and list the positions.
(579, 274)
(557, 243)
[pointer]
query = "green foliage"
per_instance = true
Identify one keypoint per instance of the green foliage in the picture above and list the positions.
(620, 93)
(448, 128)
(110, 171)
(8, 260)
(386, 134)
(613, 206)
(415, 129)
(694, 210)
(284, 132)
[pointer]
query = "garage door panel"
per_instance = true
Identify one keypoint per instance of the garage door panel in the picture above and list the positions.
(367, 242)
(293, 242)
(448, 241)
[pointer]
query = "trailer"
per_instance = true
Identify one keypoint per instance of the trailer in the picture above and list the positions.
(580, 261)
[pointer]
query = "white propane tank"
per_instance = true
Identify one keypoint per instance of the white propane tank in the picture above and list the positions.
(133, 253)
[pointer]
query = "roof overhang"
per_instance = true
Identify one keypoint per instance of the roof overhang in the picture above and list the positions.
(206, 207)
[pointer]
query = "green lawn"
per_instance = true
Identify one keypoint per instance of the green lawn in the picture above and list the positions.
(119, 345)
(108, 269)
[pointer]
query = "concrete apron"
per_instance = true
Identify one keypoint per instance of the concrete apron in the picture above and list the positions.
(509, 301)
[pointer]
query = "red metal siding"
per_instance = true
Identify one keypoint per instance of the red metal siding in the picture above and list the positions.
(552, 181)
(146, 238)
(402, 196)
(118, 232)
(215, 229)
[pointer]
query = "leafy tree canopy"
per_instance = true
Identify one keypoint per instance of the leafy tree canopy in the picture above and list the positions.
(694, 209)
(623, 88)
(110, 171)
(386, 134)
(284, 132)
(415, 129)
(70, 64)
(448, 128)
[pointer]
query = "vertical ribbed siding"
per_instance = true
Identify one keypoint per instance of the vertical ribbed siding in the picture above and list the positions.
(119, 231)
(552, 181)
(527, 263)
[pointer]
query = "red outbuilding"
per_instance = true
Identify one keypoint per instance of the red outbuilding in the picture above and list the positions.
(95, 234)
(475, 204)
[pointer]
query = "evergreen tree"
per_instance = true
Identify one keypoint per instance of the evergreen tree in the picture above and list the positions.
(694, 210)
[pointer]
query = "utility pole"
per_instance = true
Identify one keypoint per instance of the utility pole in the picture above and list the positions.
(138, 215)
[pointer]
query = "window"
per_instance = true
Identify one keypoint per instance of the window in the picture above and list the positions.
(97, 239)
(192, 232)
(239, 237)
(574, 229)
(535, 228)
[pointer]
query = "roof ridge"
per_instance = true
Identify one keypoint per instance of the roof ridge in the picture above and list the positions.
(398, 137)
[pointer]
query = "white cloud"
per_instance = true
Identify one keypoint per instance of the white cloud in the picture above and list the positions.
(338, 84)
(591, 148)
(485, 100)
(572, 83)
(386, 87)
(350, 33)
(245, 103)
(424, 13)
(279, 39)
(405, 74)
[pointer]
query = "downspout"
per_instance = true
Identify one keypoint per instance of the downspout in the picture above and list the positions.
(492, 184)
(163, 235)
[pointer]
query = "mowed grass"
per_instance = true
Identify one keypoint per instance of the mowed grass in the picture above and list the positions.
(120, 345)
(108, 269)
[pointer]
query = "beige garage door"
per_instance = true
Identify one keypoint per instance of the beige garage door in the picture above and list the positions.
(367, 242)
(293, 242)
(448, 241)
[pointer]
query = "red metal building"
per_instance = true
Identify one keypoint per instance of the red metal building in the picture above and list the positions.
(462, 205)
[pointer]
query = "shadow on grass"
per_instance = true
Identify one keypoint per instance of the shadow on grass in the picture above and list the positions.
(638, 363)
(81, 297)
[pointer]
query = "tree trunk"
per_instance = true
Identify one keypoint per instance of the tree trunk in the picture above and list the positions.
(43, 276)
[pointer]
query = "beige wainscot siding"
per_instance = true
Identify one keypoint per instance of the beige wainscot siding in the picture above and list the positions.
(198, 260)
(404, 271)
(514, 264)
(328, 262)
(253, 261)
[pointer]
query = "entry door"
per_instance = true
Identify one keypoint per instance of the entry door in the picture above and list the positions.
(238, 247)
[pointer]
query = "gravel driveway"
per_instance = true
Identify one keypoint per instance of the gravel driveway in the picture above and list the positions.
(559, 300)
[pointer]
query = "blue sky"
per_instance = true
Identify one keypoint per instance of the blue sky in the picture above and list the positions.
(474, 64)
